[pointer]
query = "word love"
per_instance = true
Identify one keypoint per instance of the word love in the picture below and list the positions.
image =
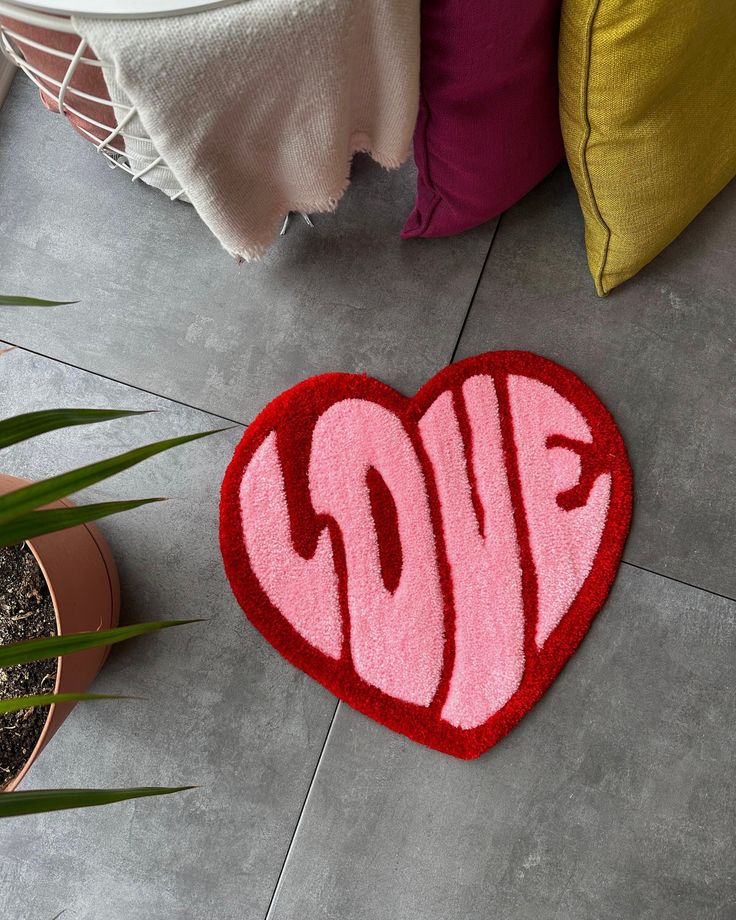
(434, 561)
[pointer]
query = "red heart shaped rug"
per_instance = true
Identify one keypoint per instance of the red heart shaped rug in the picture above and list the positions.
(433, 561)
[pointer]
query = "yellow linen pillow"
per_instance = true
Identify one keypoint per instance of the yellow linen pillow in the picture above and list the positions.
(648, 110)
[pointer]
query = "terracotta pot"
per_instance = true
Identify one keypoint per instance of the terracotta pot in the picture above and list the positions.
(83, 581)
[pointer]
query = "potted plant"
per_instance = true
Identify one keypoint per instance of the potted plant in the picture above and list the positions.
(61, 588)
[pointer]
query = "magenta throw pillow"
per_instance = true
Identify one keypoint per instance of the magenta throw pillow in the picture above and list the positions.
(488, 127)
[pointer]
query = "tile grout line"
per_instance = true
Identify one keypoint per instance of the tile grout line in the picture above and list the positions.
(632, 565)
(227, 418)
(274, 895)
(475, 289)
(123, 383)
(303, 809)
(180, 402)
(678, 581)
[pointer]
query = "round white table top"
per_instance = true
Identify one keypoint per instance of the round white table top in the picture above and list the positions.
(121, 9)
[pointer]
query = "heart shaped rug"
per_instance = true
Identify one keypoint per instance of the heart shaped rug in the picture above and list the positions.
(433, 561)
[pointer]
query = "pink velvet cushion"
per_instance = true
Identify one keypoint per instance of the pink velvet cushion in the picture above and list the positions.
(488, 127)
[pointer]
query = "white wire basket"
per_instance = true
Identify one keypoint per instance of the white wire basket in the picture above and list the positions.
(34, 40)
(36, 31)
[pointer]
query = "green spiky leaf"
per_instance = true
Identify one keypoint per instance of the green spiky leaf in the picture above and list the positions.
(35, 523)
(13, 804)
(49, 699)
(54, 646)
(12, 300)
(30, 424)
(28, 498)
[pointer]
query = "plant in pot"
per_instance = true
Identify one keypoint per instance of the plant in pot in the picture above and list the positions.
(59, 603)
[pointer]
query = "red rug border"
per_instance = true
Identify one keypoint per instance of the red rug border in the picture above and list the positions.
(418, 723)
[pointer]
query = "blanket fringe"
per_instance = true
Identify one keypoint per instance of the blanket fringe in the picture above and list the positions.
(360, 142)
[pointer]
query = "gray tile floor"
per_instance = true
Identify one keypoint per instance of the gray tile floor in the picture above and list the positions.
(614, 798)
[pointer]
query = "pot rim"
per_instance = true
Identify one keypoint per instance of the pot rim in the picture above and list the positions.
(38, 555)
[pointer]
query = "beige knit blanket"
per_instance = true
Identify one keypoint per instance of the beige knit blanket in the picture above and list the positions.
(258, 107)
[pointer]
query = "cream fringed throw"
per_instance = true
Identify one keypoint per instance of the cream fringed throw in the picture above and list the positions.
(258, 107)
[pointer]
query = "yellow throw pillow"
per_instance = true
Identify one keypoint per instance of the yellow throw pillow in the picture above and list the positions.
(648, 109)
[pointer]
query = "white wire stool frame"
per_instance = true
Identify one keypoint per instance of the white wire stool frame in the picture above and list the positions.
(11, 45)
(61, 91)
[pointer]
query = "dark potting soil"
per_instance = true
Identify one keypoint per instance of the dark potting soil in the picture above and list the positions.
(26, 612)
